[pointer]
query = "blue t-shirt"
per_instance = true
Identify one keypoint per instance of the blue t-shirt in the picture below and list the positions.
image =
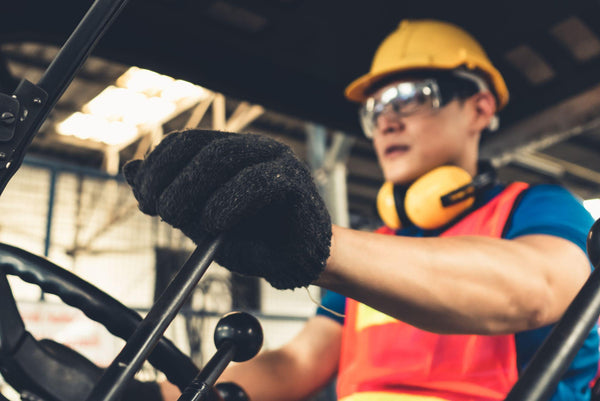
(544, 209)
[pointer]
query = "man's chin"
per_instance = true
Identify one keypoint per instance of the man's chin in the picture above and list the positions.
(404, 176)
(401, 172)
(401, 179)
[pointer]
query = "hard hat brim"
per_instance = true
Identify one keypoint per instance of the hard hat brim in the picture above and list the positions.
(357, 90)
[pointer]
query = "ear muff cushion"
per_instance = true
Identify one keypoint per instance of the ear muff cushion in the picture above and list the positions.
(386, 206)
(423, 204)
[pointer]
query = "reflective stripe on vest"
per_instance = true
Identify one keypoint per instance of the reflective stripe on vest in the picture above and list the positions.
(381, 396)
(383, 359)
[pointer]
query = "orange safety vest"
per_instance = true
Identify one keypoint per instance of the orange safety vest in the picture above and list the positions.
(383, 359)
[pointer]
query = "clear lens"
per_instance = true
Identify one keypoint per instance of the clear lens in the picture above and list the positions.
(399, 100)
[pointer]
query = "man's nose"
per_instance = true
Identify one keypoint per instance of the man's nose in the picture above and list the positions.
(389, 122)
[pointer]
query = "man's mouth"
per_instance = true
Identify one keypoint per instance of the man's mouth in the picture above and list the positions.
(395, 150)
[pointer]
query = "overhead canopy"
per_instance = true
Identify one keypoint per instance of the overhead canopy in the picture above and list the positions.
(297, 56)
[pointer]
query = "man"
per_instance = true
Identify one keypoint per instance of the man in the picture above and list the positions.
(451, 309)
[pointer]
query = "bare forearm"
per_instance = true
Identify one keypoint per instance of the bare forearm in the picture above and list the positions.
(264, 378)
(450, 285)
(270, 376)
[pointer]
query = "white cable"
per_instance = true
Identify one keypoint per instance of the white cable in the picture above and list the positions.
(321, 306)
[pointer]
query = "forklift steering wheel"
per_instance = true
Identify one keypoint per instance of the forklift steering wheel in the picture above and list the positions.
(43, 366)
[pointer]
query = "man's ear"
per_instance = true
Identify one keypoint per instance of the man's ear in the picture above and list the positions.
(485, 109)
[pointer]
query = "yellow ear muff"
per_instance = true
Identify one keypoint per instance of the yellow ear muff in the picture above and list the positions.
(386, 206)
(423, 201)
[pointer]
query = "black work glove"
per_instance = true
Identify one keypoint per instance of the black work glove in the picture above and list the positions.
(251, 188)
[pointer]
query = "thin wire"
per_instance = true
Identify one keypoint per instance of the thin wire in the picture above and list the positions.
(321, 305)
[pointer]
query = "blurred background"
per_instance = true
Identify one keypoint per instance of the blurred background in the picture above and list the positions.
(271, 67)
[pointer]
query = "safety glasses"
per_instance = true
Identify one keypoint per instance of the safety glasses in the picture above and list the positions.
(407, 98)
(399, 100)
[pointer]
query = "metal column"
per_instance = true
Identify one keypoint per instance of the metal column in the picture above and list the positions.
(329, 170)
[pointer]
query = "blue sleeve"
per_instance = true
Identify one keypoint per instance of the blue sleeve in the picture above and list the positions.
(335, 302)
(552, 210)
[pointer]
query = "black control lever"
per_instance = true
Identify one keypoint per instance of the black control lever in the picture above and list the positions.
(238, 337)
(22, 114)
(149, 331)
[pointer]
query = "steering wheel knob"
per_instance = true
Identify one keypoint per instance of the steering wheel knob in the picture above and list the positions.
(593, 244)
(244, 331)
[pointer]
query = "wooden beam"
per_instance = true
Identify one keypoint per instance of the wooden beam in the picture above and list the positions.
(240, 120)
(199, 112)
(218, 109)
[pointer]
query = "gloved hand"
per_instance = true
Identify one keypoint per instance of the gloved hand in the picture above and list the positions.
(251, 188)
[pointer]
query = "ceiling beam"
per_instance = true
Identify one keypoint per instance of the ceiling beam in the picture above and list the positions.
(38, 63)
(570, 118)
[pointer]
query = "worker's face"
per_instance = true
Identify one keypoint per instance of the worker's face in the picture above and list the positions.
(411, 145)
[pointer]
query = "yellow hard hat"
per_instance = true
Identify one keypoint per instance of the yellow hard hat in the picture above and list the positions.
(428, 44)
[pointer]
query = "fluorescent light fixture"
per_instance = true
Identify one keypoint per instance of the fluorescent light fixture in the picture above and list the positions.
(143, 81)
(120, 104)
(182, 90)
(531, 64)
(593, 206)
(581, 41)
(113, 103)
(153, 84)
(141, 99)
(88, 126)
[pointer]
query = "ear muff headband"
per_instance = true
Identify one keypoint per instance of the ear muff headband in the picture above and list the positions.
(433, 200)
